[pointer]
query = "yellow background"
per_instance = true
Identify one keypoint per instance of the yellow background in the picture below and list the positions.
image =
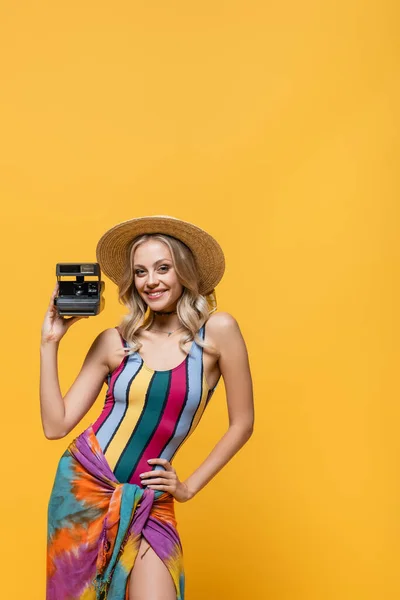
(275, 127)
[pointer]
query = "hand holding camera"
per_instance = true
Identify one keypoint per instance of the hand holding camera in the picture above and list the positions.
(55, 326)
(78, 296)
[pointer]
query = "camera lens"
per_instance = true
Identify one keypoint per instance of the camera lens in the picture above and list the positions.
(78, 289)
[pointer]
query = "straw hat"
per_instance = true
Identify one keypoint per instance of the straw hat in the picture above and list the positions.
(112, 248)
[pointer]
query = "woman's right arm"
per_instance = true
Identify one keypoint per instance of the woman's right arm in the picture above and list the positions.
(60, 415)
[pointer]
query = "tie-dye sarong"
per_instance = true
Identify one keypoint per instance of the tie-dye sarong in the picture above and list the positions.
(95, 525)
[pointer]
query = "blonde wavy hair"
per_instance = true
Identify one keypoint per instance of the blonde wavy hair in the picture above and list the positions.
(193, 309)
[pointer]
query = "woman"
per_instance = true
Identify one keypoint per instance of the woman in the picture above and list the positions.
(114, 490)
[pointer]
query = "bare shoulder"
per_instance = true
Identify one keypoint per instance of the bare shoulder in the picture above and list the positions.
(106, 344)
(222, 323)
(224, 331)
(107, 349)
(108, 338)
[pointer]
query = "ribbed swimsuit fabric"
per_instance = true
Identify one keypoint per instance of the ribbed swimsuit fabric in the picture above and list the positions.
(149, 413)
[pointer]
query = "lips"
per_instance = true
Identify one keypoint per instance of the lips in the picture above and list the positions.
(154, 295)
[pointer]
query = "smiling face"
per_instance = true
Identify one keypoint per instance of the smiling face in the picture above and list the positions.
(155, 277)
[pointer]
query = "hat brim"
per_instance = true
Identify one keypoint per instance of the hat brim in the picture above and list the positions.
(112, 248)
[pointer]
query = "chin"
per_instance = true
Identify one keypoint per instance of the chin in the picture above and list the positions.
(162, 308)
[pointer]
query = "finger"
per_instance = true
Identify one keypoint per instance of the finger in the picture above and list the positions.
(158, 474)
(161, 461)
(151, 480)
(155, 481)
(53, 295)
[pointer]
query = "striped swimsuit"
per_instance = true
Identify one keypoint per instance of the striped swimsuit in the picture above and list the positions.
(150, 414)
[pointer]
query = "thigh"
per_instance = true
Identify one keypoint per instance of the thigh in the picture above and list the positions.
(150, 578)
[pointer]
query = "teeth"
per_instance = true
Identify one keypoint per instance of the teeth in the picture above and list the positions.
(155, 295)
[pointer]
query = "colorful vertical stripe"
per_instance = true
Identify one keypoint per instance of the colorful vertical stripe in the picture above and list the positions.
(148, 413)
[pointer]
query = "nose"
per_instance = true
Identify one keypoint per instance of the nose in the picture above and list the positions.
(152, 279)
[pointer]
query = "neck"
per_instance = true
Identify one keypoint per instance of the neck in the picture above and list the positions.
(164, 313)
(166, 322)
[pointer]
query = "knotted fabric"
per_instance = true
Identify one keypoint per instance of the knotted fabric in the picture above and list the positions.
(95, 524)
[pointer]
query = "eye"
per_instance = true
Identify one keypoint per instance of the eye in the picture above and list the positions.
(139, 271)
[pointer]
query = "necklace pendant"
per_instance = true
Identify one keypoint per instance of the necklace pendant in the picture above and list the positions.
(169, 333)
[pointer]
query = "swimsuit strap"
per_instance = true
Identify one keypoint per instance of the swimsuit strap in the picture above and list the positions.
(124, 343)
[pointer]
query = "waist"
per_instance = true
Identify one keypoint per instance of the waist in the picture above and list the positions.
(87, 450)
(163, 508)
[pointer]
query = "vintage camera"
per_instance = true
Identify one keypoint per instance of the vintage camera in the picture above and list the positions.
(82, 292)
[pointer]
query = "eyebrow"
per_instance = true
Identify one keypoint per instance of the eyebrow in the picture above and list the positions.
(156, 263)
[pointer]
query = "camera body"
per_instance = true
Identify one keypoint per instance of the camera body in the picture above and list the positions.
(82, 292)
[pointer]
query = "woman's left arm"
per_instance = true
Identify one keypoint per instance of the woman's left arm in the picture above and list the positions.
(235, 369)
(233, 362)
